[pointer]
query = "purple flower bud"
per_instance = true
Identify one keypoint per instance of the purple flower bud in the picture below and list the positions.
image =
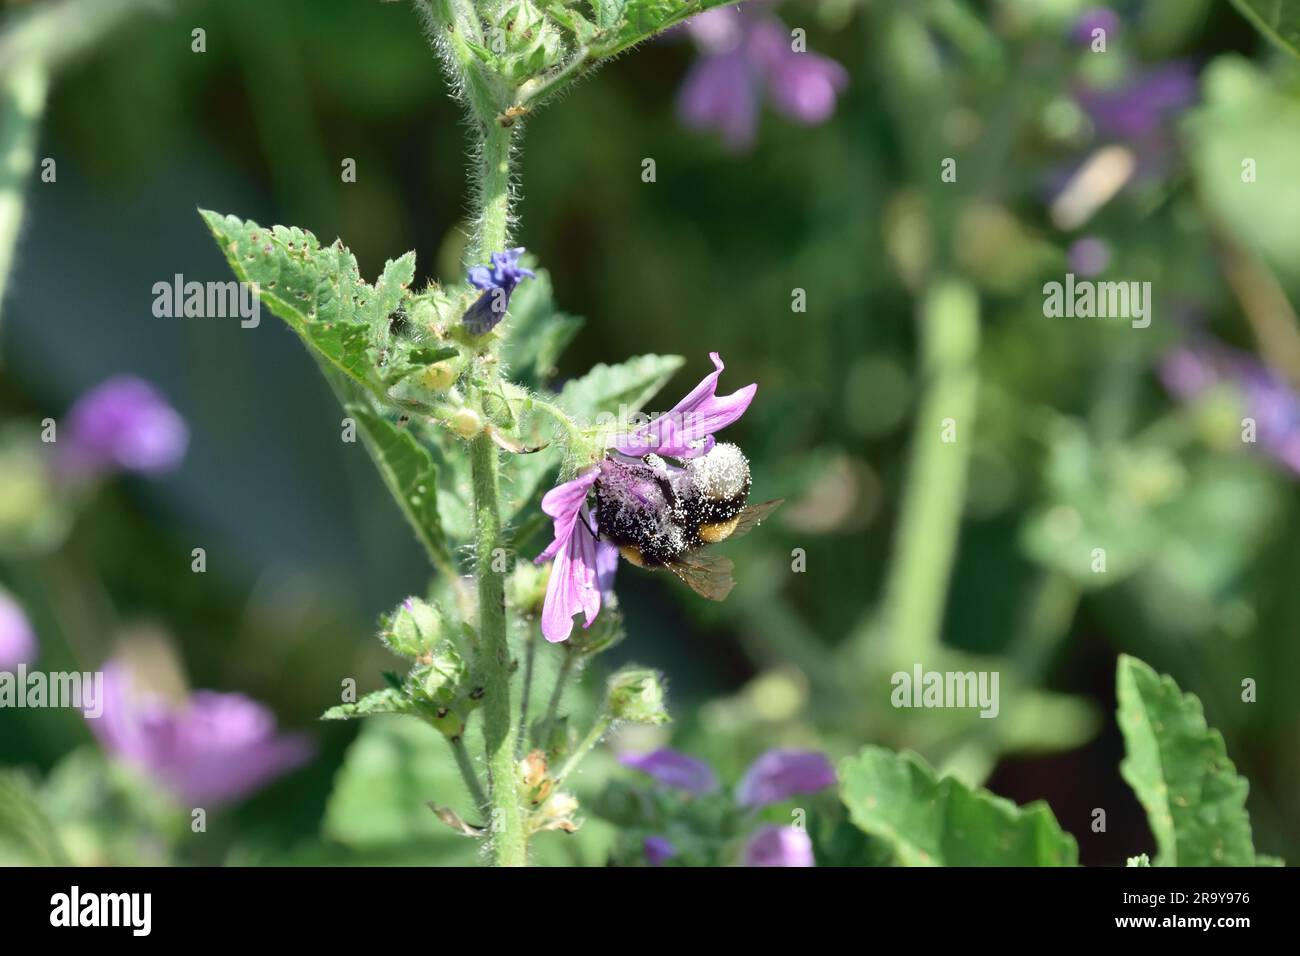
(497, 280)
(17, 640)
(658, 850)
(1088, 256)
(212, 749)
(779, 774)
(779, 846)
(672, 768)
(124, 424)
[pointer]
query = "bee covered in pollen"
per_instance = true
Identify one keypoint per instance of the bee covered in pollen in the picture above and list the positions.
(663, 494)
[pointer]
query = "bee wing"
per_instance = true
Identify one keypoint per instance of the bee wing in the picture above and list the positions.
(705, 573)
(750, 517)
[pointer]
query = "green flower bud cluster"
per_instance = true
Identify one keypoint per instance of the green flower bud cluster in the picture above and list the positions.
(523, 41)
(440, 687)
(636, 694)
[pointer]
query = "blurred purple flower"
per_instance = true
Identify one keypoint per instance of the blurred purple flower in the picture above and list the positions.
(17, 639)
(779, 846)
(1088, 256)
(1143, 105)
(775, 776)
(1096, 18)
(123, 424)
(1189, 370)
(497, 280)
(214, 748)
(742, 56)
(672, 768)
(584, 563)
(658, 850)
(780, 774)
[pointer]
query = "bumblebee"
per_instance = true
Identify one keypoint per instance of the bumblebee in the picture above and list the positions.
(663, 516)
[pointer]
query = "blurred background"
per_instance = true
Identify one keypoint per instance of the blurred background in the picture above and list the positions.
(1125, 163)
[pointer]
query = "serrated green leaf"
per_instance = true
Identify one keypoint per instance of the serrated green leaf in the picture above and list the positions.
(1279, 20)
(386, 701)
(625, 23)
(626, 386)
(928, 821)
(27, 837)
(1179, 769)
(412, 478)
(317, 290)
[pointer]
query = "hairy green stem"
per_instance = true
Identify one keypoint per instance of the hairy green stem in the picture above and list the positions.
(598, 730)
(469, 774)
(925, 541)
(557, 692)
(509, 839)
(494, 190)
(530, 660)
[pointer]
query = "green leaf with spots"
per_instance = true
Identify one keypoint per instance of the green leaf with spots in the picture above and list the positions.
(317, 290)
(1180, 771)
(1279, 20)
(626, 386)
(412, 478)
(386, 701)
(939, 821)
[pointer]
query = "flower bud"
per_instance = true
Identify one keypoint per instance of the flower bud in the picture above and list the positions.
(530, 43)
(557, 813)
(466, 423)
(438, 377)
(637, 694)
(413, 629)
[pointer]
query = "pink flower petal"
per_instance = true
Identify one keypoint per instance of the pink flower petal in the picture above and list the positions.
(687, 430)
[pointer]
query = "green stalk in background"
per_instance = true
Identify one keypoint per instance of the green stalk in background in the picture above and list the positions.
(925, 541)
(23, 92)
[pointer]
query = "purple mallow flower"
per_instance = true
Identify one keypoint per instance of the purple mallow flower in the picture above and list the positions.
(1190, 370)
(1140, 108)
(497, 280)
(672, 768)
(658, 850)
(584, 563)
(775, 776)
(214, 748)
(779, 846)
(17, 640)
(779, 774)
(1096, 18)
(124, 424)
(742, 56)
